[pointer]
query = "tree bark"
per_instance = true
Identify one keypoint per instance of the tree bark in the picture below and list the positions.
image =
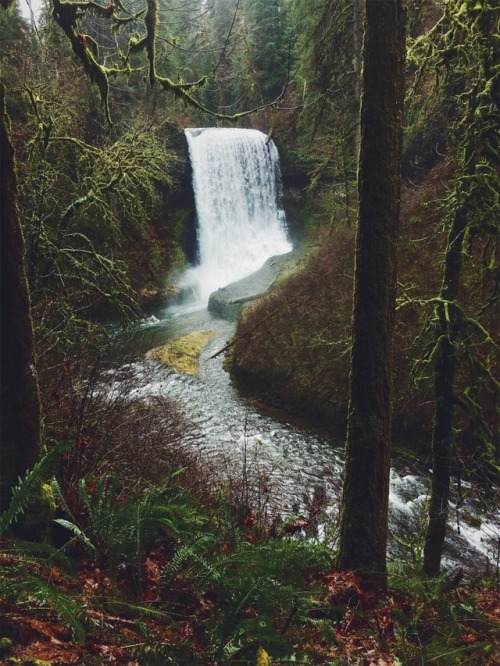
(357, 33)
(364, 515)
(444, 381)
(479, 160)
(20, 400)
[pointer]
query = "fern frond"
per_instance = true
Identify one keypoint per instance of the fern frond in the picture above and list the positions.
(25, 493)
(231, 617)
(68, 610)
(42, 552)
(143, 611)
(78, 533)
(59, 497)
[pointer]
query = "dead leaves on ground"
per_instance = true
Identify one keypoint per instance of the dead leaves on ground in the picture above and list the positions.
(348, 622)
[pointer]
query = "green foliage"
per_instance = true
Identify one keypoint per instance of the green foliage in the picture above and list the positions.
(27, 494)
(328, 51)
(410, 542)
(88, 201)
(118, 531)
(220, 588)
(270, 43)
(439, 626)
(460, 48)
(263, 584)
(147, 40)
(260, 586)
(35, 522)
(457, 55)
(42, 552)
(114, 183)
(12, 25)
(156, 654)
(22, 586)
(5, 646)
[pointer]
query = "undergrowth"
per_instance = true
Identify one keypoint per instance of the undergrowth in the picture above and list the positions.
(150, 574)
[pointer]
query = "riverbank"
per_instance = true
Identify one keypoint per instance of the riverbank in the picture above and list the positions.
(292, 348)
(176, 552)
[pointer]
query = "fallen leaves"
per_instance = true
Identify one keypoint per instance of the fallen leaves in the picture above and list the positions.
(348, 624)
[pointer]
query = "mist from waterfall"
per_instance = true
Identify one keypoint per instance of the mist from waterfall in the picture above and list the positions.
(237, 183)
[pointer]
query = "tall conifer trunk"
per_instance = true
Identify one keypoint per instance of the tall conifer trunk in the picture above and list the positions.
(444, 381)
(20, 401)
(363, 529)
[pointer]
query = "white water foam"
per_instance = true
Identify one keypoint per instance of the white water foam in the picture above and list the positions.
(237, 182)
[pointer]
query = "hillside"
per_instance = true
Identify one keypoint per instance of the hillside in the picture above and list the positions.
(292, 348)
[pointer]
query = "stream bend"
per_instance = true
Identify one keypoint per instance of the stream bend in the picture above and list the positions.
(287, 465)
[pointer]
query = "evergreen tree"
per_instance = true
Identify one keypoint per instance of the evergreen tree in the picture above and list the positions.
(327, 86)
(20, 416)
(270, 42)
(364, 514)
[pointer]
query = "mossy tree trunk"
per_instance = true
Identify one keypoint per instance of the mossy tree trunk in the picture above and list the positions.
(363, 529)
(474, 211)
(20, 400)
(444, 381)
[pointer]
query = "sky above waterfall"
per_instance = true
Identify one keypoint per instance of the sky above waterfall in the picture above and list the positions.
(30, 9)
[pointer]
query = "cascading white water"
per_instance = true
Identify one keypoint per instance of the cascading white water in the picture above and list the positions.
(236, 181)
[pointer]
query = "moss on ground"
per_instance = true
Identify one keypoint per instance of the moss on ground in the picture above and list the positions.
(183, 354)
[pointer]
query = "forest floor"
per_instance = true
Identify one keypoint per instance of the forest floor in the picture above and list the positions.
(90, 617)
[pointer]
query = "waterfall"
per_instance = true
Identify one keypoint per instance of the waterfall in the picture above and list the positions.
(236, 182)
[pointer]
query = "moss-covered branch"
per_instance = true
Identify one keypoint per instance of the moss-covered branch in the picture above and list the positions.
(68, 13)
(460, 50)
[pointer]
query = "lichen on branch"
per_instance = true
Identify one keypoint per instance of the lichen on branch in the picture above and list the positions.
(69, 15)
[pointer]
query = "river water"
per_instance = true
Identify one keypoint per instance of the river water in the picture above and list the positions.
(286, 466)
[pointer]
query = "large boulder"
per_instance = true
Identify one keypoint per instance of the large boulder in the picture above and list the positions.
(227, 301)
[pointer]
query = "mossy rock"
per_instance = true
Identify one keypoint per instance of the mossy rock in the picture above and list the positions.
(6, 645)
(183, 354)
(35, 522)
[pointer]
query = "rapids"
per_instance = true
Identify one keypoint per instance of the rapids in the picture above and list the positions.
(287, 466)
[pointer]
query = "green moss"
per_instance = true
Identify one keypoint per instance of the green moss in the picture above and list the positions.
(34, 524)
(5, 646)
(183, 354)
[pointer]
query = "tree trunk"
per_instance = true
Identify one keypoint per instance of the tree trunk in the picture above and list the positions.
(444, 380)
(357, 33)
(363, 528)
(20, 400)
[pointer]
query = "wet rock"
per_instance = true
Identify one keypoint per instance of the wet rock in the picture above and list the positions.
(228, 301)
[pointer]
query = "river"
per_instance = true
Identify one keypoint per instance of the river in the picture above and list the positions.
(288, 467)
